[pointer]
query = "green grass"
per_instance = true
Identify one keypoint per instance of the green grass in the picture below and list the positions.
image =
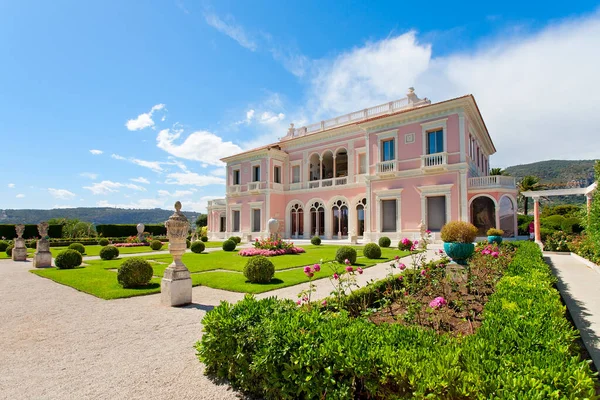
(4, 256)
(98, 279)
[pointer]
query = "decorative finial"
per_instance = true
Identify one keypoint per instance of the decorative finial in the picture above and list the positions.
(411, 89)
(178, 206)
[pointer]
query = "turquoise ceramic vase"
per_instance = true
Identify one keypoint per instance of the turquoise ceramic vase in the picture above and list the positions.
(459, 252)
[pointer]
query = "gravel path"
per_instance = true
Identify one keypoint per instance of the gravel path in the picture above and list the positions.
(58, 343)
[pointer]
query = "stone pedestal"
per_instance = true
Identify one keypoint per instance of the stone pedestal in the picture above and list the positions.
(176, 285)
(19, 252)
(43, 257)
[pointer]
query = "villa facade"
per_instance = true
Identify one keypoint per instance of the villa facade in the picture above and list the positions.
(380, 171)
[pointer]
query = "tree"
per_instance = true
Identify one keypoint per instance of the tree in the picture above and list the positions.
(497, 171)
(528, 183)
(202, 220)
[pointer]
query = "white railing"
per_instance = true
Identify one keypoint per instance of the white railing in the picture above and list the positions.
(217, 202)
(386, 167)
(326, 182)
(234, 189)
(341, 181)
(386, 108)
(493, 181)
(434, 160)
(314, 184)
(295, 185)
(253, 186)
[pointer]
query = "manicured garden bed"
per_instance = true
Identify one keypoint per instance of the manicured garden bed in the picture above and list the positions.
(524, 348)
(219, 269)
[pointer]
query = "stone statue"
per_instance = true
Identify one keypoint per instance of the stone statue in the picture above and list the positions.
(176, 285)
(273, 227)
(140, 232)
(43, 257)
(19, 252)
(43, 230)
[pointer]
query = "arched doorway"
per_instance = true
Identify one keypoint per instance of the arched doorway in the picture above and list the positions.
(339, 211)
(507, 216)
(360, 217)
(317, 219)
(483, 214)
(297, 221)
(314, 167)
(327, 168)
(341, 163)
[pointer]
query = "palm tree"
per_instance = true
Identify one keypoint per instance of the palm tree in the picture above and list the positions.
(527, 184)
(497, 171)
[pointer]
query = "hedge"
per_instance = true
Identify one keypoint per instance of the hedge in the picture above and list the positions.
(118, 230)
(31, 231)
(525, 348)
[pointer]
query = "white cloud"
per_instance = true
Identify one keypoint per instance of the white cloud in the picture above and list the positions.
(293, 61)
(218, 172)
(11, 185)
(153, 165)
(105, 187)
(140, 203)
(532, 90)
(177, 193)
(89, 175)
(61, 193)
(268, 117)
(20, 196)
(96, 152)
(200, 146)
(192, 178)
(62, 206)
(140, 180)
(144, 120)
(231, 29)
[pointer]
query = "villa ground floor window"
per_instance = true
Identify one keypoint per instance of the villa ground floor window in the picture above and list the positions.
(436, 213)
(388, 215)
(340, 219)
(317, 219)
(236, 221)
(297, 218)
(256, 220)
(222, 223)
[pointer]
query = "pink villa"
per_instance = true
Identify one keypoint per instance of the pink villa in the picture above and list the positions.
(380, 171)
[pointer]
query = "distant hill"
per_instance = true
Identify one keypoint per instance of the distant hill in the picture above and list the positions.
(557, 173)
(96, 215)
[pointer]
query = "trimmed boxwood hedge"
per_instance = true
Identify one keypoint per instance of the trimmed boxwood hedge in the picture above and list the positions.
(31, 231)
(125, 230)
(344, 253)
(372, 251)
(198, 247)
(525, 348)
(77, 246)
(68, 259)
(109, 252)
(229, 245)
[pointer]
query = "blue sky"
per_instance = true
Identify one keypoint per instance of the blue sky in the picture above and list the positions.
(131, 103)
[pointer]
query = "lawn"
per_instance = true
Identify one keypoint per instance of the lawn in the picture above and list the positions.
(219, 270)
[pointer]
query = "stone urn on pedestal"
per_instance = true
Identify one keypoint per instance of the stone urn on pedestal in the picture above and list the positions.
(43, 257)
(273, 227)
(140, 232)
(176, 285)
(19, 252)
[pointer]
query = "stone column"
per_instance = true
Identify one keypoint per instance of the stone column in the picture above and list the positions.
(19, 252)
(536, 221)
(43, 257)
(176, 285)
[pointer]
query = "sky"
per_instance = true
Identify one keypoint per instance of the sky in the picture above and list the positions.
(133, 103)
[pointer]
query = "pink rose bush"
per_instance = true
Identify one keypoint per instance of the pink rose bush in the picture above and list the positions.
(438, 302)
(405, 244)
(270, 253)
(130, 244)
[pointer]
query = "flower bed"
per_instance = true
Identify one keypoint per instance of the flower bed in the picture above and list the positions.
(524, 348)
(131, 244)
(270, 253)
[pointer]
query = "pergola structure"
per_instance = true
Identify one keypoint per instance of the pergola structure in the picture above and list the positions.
(535, 195)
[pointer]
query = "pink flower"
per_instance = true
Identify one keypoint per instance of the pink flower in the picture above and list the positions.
(336, 276)
(309, 274)
(400, 277)
(423, 272)
(316, 267)
(397, 258)
(438, 302)
(360, 270)
(324, 303)
(428, 232)
(495, 254)
(299, 302)
(347, 262)
(401, 266)
(307, 269)
(349, 268)
(441, 252)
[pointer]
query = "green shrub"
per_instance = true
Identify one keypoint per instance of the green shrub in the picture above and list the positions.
(229, 245)
(103, 242)
(316, 241)
(32, 244)
(125, 230)
(188, 243)
(198, 247)
(372, 251)
(545, 233)
(156, 245)
(4, 245)
(134, 272)
(553, 222)
(571, 225)
(459, 232)
(236, 239)
(259, 269)
(109, 252)
(78, 247)
(68, 259)
(9, 250)
(495, 232)
(344, 253)
(204, 238)
(384, 241)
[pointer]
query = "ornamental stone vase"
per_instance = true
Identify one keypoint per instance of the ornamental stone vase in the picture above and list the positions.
(494, 239)
(459, 252)
(140, 231)
(42, 257)
(176, 285)
(19, 252)
(273, 227)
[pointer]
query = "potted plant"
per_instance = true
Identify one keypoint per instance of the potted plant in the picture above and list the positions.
(458, 237)
(495, 235)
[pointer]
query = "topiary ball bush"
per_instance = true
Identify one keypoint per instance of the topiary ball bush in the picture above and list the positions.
(9, 250)
(259, 269)
(316, 240)
(78, 247)
(109, 253)
(4, 245)
(459, 232)
(236, 239)
(103, 242)
(198, 247)
(385, 241)
(134, 271)
(156, 245)
(372, 251)
(229, 245)
(345, 253)
(204, 238)
(68, 259)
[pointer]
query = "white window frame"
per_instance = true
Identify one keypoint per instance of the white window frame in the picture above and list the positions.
(293, 164)
(438, 124)
(277, 164)
(385, 136)
(239, 170)
(434, 191)
(256, 205)
(394, 194)
(237, 207)
(358, 154)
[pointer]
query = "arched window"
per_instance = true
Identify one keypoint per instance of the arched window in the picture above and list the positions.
(297, 218)
(339, 221)
(317, 218)
(360, 216)
(483, 214)
(507, 216)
